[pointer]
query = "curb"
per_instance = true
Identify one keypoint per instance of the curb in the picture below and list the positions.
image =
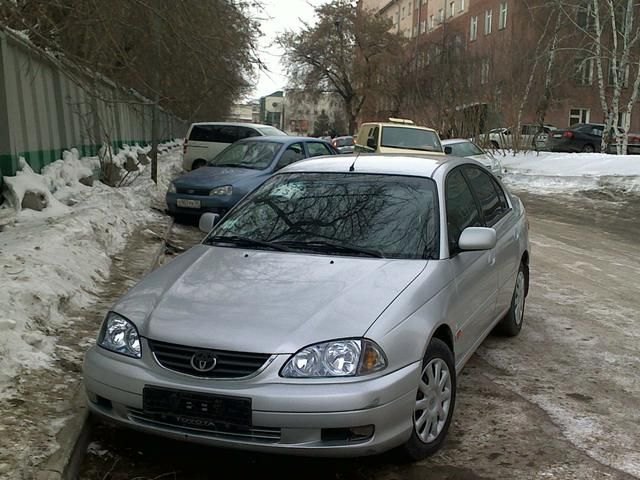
(73, 438)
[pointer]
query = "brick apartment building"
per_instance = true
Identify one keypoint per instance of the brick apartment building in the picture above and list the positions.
(496, 43)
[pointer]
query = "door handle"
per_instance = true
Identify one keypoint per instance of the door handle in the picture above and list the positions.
(492, 259)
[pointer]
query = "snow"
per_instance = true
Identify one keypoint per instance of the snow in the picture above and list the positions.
(548, 172)
(52, 259)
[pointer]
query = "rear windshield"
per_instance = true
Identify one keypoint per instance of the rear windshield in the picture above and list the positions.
(268, 131)
(464, 149)
(410, 138)
(255, 155)
(344, 142)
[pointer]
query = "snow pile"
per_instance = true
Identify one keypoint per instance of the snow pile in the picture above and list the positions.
(54, 258)
(549, 172)
(69, 170)
(26, 180)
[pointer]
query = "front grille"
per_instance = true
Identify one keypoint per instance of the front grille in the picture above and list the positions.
(203, 192)
(219, 430)
(228, 364)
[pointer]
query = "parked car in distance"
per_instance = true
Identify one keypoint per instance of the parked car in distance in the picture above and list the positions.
(343, 144)
(461, 147)
(587, 137)
(205, 140)
(329, 313)
(504, 138)
(397, 136)
(236, 171)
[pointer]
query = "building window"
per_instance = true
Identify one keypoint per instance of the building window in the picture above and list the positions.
(503, 16)
(402, 12)
(432, 22)
(452, 8)
(579, 115)
(622, 117)
(623, 80)
(484, 71)
(473, 30)
(461, 5)
(488, 17)
(423, 26)
(583, 71)
(440, 16)
(584, 15)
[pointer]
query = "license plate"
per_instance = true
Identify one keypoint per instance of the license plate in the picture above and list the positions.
(557, 135)
(183, 202)
(197, 409)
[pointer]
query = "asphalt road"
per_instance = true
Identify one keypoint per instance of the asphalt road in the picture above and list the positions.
(560, 401)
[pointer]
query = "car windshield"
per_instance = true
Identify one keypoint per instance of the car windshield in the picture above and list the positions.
(339, 213)
(344, 142)
(268, 131)
(255, 155)
(410, 138)
(464, 149)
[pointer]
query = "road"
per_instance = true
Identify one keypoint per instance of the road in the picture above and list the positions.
(560, 401)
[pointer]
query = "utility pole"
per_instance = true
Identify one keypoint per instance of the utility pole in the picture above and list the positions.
(155, 32)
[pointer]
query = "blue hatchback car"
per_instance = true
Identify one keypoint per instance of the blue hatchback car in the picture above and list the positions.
(238, 170)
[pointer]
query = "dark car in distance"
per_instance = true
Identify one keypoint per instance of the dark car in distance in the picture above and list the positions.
(236, 171)
(587, 137)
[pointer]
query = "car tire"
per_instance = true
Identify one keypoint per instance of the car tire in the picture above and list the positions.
(198, 163)
(440, 395)
(588, 148)
(511, 324)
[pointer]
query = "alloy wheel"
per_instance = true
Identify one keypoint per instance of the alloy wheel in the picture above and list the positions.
(432, 401)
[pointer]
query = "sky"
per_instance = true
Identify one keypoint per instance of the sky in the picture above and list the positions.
(277, 17)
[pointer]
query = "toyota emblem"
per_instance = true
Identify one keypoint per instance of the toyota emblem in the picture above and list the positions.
(203, 361)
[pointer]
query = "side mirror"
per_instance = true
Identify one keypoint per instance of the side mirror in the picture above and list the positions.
(477, 238)
(448, 150)
(371, 143)
(207, 221)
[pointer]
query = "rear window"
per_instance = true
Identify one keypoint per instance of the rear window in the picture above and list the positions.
(214, 133)
(411, 138)
(267, 131)
(343, 142)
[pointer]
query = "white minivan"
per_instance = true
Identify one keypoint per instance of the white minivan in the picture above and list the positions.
(205, 140)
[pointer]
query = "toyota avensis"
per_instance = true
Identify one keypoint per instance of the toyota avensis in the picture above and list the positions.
(328, 313)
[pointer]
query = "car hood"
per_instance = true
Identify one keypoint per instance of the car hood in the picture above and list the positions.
(214, 176)
(407, 150)
(483, 159)
(262, 301)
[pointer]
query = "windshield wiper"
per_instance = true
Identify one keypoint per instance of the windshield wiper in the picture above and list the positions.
(326, 246)
(244, 242)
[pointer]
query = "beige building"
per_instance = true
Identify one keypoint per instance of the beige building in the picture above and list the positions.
(304, 114)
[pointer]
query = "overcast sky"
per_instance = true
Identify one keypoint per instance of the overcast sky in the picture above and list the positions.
(278, 16)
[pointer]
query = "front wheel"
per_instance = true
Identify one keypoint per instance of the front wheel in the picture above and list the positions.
(588, 148)
(511, 324)
(435, 400)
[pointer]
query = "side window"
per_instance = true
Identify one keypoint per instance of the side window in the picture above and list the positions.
(501, 195)
(203, 133)
(292, 154)
(245, 132)
(485, 191)
(317, 149)
(462, 211)
(226, 134)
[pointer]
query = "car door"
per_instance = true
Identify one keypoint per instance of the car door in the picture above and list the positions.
(497, 214)
(474, 272)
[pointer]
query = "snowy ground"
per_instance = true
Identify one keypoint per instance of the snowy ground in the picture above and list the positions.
(52, 259)
(548, 172)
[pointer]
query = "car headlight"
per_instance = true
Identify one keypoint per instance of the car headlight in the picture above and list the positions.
(120, 335)
(224, 190)
(172, 188)
(337, 358)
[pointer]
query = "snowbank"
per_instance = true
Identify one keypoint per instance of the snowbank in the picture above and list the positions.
(570, 172)
(54, 258)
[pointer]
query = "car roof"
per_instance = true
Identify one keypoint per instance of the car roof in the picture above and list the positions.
(398, 124)
(283, 139)
(418, 165)
(234, 124)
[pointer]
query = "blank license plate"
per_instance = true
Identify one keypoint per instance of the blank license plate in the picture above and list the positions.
(183, 202)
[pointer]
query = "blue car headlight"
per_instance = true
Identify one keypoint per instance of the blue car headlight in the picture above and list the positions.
(120, 335)
(221, 191)
(172, 188)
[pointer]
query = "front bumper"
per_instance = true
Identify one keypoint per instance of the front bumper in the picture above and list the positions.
(288, 415)
(219, 205)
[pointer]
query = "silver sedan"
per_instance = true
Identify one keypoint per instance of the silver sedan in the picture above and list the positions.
(461, 147)
(329, 313)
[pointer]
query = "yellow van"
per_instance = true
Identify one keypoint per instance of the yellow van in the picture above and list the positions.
(398, 135)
